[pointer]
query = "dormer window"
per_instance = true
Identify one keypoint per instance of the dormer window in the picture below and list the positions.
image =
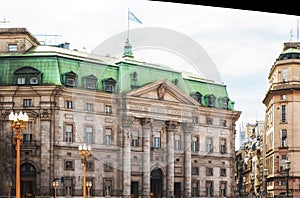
(197, 96)
(223, 102)
(27, 76)
(210, 100)
(109, 85)
(90, 82)
(70, 79)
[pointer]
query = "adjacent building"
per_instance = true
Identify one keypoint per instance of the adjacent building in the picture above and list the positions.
(154, 131)
(281, 138)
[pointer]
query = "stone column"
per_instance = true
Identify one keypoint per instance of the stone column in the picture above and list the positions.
(126, 126)
(187, 129)
(146, 127)
(171, 126)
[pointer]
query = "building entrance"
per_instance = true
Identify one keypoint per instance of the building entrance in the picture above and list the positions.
(156, 183)
(28, 181)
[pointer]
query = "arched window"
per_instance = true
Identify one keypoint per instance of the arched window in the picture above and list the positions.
(27, 76)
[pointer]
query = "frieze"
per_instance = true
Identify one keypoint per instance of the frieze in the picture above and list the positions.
(158, 110)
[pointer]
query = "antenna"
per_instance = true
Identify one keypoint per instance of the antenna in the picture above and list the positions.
(297, 30)
(291, 34)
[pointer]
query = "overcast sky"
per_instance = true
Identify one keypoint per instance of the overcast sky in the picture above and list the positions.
(242, 44)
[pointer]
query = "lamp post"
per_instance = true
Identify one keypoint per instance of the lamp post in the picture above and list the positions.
(8, 187)
(85, 151)
(89, 185)
(287, 167)
(18, 122)
(55, 185)
(266, 172)
(252, 184)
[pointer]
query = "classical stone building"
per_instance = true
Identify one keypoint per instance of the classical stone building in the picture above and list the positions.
(153, 131)
(281, 137)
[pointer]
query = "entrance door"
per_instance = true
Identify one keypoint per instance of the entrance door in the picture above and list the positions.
(134, 189)
(28, 180)
(156, 183)
(177, 190)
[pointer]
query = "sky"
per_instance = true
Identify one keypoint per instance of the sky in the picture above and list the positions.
(242, 44)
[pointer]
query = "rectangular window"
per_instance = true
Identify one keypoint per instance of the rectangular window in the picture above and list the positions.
(110, 88)
(134, 138)
(223, 146)
(90, 166)
(223, 172)
(69, 165)
(223, 123)
(283, 97)
(195, 171)
(89, 135)
(177, 142)
(195, 189)
(27, 103)
(195, 144)
(107, 187)
(27, 134)
(108, 109)
(209, 145)
(108, 133)
(209, 171)
(209, 121)
(283, 137)
(195, 119)
(91, 84)
(284, 75)
(71, 82)
(223, 189)
(69, 133)
(21, 80)
(108, 167)
(283, 113)
(69, 104)
(156, 140)
(12, 47)
(209, 188)
(89, 107)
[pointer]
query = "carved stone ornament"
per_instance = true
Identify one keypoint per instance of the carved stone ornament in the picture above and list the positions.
(161, 90)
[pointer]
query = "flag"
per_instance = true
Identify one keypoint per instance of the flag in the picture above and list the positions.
(133, 18)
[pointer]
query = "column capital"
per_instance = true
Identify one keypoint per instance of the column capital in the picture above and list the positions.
(172, 125)
(146, 121)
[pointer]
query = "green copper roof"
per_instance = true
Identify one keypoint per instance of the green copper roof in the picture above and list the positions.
(128, 73)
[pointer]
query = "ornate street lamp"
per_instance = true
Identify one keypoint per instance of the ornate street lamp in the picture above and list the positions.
(85, 151)
(8, 187)
(287, 167)
(18, 122)
(55, 185)
(89, 185)
(252, 184)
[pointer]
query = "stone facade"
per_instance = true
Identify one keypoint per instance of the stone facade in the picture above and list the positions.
(281, 136)
(155, 140)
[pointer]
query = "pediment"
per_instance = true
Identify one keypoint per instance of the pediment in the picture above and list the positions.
(163, 90)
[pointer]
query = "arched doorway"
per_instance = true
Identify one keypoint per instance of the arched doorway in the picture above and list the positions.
(156, 183)
(28, 180)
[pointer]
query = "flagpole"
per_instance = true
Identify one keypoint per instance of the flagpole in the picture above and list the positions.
(128, 25)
